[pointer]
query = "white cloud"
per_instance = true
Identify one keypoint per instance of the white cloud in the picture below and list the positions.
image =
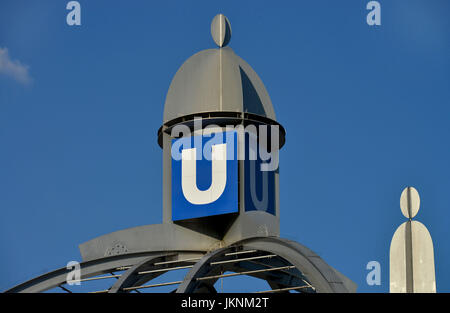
(13, 68)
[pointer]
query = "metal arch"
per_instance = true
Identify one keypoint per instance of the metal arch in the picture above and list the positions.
(132, 278)
(201, 268)
(307, 264)
(88, 269)
(263, 269)
(321, 276)
(136, 276)
(261, 264)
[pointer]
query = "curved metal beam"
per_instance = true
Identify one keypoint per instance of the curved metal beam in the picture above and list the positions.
(321, 276)
(88, 269)
(132, 278)
(201, 268)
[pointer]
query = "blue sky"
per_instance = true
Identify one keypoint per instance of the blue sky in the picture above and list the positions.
(366, 110)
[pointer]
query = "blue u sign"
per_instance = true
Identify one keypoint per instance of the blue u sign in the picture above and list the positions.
(204, 176)
(259, 185)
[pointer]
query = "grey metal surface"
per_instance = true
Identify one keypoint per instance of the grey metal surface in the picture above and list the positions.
(412, 269)
(158, 237)
(397, 261)
(411, 255)
(221, 30)
(282, 263)
(323, 277)
(132, 278)
(88, 269)
(216, 80)
(252, 224)
(409, 202)
(422, 259)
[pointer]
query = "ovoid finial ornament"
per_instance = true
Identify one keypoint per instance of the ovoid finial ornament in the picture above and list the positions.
(221, 30)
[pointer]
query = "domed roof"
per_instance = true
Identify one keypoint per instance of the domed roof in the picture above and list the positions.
(216, 80)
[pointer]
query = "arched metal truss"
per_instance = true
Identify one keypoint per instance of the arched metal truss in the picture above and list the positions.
(284, 264)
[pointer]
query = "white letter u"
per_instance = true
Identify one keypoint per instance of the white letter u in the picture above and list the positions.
(189, 175)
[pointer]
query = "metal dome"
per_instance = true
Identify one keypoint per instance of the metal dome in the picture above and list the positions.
(216, 80)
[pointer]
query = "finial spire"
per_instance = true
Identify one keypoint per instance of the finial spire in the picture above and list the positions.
(221, 30)
(411, 256)
(409, 202)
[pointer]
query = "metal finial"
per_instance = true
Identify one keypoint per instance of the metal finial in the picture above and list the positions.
(221, 30)
(411, 255)
(409, 202)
